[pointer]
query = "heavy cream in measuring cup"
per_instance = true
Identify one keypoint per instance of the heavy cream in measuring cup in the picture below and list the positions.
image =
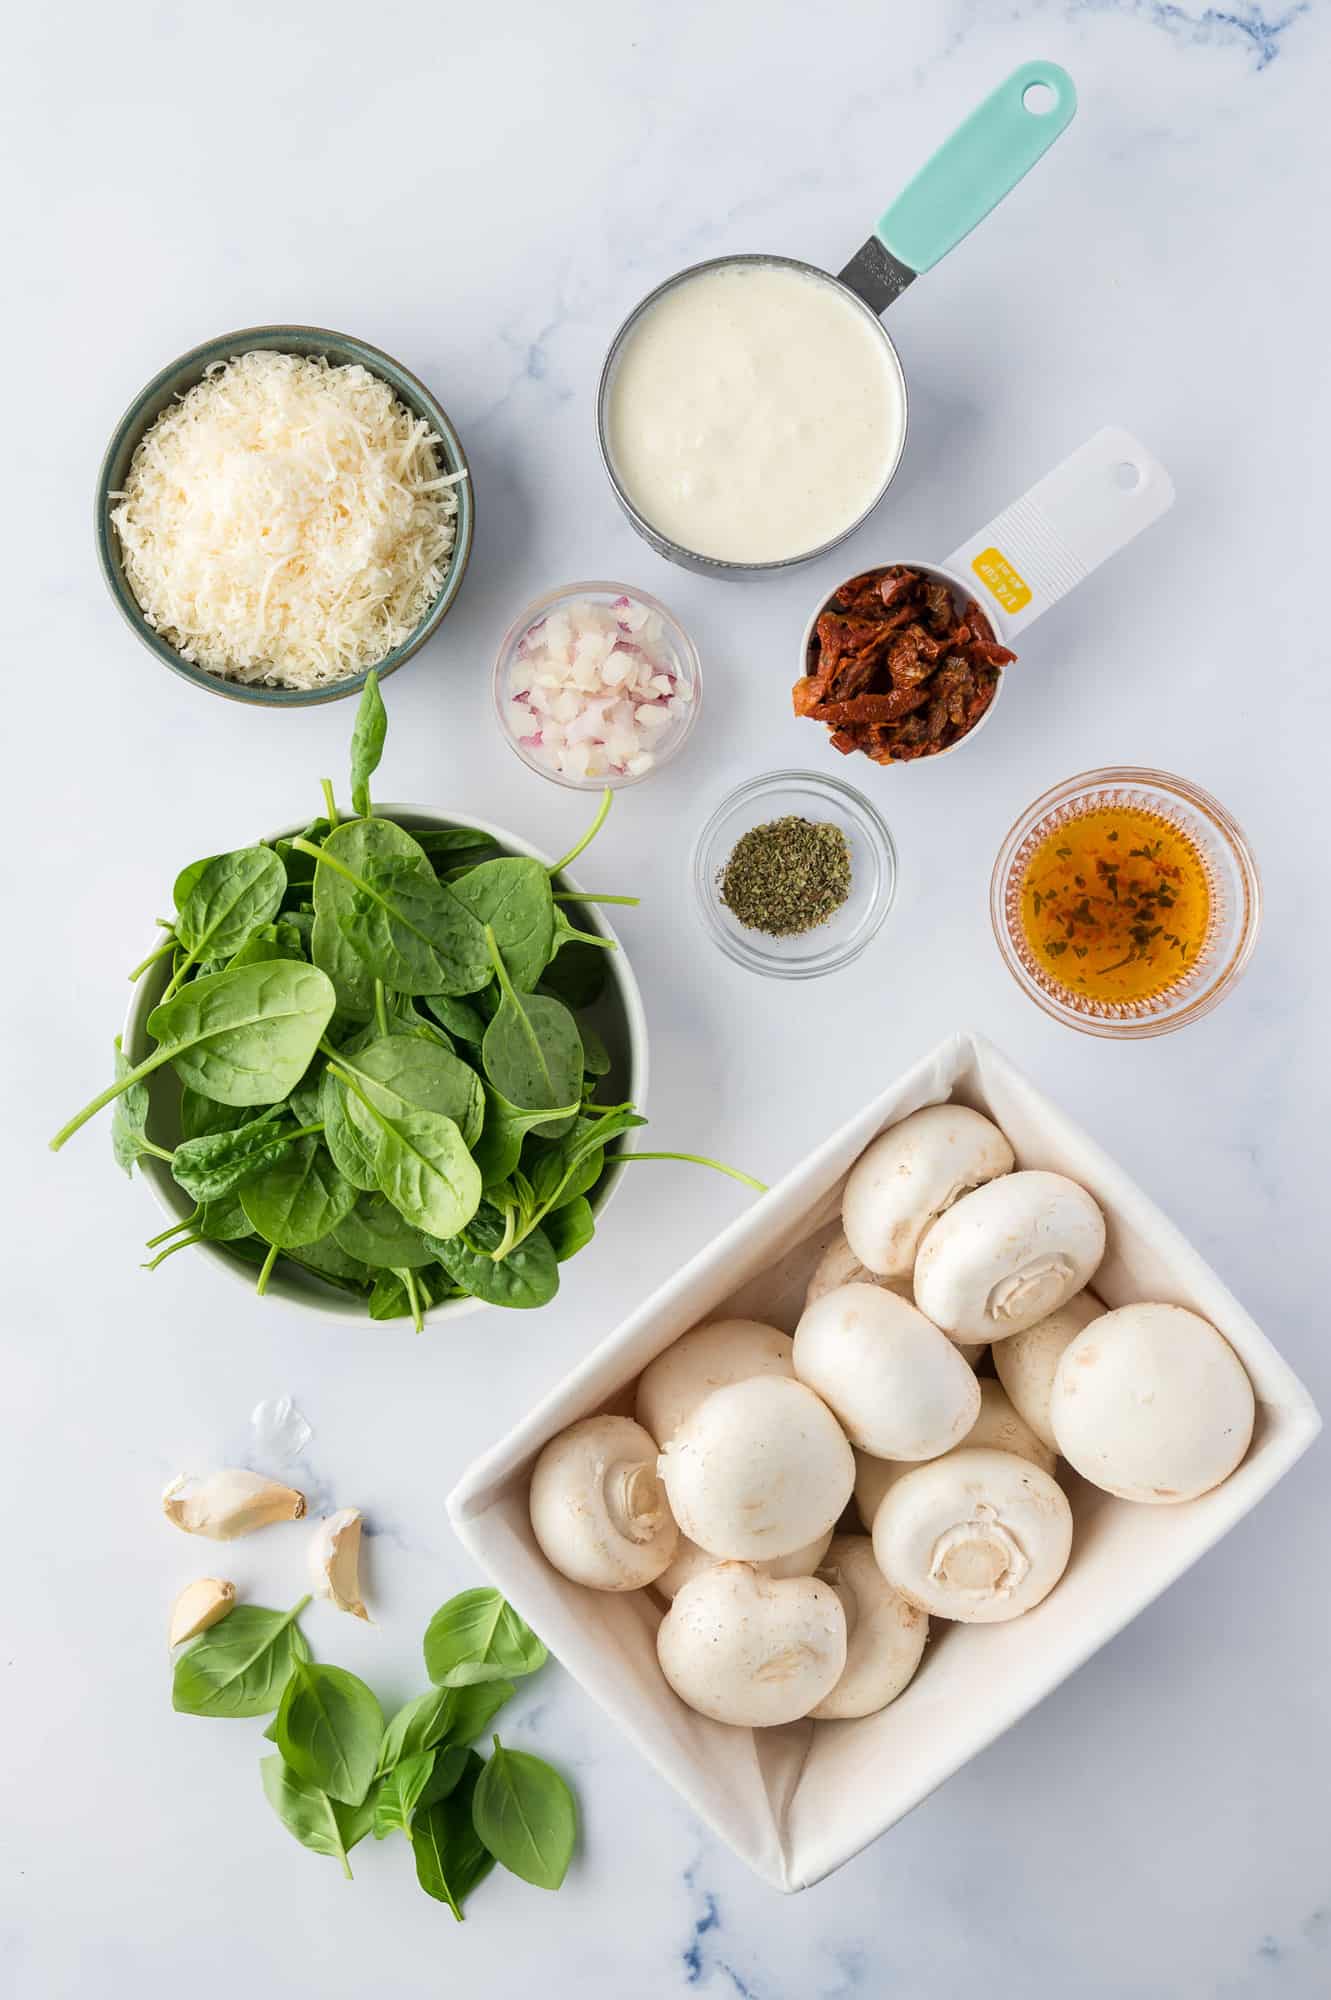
(754, 413)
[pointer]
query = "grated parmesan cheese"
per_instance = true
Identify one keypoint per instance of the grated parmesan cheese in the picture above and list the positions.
(286, 521)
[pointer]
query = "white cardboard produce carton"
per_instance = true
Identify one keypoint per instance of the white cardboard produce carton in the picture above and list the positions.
(796, 1802)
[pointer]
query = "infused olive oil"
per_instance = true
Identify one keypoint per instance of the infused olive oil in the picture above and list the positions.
(1115, 905)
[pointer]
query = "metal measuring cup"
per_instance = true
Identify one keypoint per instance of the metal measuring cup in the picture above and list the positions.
(1041, 546)
(968, 176)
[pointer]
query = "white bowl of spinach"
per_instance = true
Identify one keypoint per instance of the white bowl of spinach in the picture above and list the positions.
(381, 1062)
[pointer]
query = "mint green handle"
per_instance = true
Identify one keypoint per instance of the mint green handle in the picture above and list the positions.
(972, 171)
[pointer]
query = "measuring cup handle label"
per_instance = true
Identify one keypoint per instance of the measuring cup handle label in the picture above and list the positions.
(1071, 521)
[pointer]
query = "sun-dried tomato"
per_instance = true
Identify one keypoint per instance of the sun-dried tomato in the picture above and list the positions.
(894, 670)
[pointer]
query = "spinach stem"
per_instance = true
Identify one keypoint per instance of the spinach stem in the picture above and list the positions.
(697, 1160)
(112, 1091)
(576, 896)
(158, 1152)
(380, 1010)
(607, 800)
(186, 1222)
(331, 815)
(177, 976)
(262, 1287)
(588, 937)
(181, 1243)
(409, 1280)
(167, 945)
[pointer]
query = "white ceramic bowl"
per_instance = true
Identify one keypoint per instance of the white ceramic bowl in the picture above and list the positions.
(618, 1014)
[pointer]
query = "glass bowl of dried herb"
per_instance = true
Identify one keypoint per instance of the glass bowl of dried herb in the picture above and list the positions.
(795, 874)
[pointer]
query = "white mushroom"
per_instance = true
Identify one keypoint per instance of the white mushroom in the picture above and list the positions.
(999, 1428)
(598, 1509)
(885, 1635)
(759, 1470)
(910, 1175)
(750, 1649)
(899, 1386)
(1153, 1404)
(839, 1265)
(1007, 1255)
(706, 1358)
(690, 1561)
(873, 1476)
(1028, 1362)
(979, 1536)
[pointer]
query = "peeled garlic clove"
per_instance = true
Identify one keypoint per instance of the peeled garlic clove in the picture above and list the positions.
(335, 1561)
(230, 1503)
(200, 1604)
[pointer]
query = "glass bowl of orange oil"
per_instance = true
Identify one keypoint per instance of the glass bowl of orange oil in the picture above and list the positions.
(1126, 902)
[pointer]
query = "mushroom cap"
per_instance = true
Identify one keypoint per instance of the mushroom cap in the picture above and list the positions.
(1153, 1404)
(1028, 1362)
(690, 1561)
(1008, 1254)
(873, 1476)
(910, 1175)
(752, 1650)
(839, 1265)
(900, 1387)
(979, 1536)
(885, 1635)
(598, 1508)
(1000, 1428)
(707, 1357)
(760, 1469)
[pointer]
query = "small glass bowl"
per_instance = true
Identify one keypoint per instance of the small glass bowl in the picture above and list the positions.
(677, 639)
(873, 882)
(1232, 878)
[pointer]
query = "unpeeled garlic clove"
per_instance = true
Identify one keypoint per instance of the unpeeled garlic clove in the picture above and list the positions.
(230, 1503)
(200, 1604)
(335, 1561)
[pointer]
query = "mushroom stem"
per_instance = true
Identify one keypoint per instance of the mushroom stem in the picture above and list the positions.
(634, 1500)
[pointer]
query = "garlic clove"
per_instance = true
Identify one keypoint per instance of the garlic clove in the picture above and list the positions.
(335, 1561)
(200, 1604)
(230, 1503)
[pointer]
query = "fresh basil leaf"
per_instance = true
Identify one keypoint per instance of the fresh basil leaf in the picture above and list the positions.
(328, 1729)
(525, 1815)
(399, 1793)
(367, 743)
(418, 1725)
(450, 1859)
(478, 1636)
(317, 1822)
(450, 1762)
(241, 1666)
(300, 1198)
(475, 1708)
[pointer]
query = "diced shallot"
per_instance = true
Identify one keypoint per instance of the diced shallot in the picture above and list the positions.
(595, 689)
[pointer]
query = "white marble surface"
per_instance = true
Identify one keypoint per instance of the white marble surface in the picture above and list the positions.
(484, 192)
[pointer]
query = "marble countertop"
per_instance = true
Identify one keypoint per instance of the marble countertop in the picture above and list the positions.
(485, 193)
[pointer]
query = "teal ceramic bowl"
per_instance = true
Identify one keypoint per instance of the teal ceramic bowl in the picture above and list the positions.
(172, 382)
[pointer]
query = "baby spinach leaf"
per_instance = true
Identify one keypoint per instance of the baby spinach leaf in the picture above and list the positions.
(570, 1228)
(243, 1037)
(241, 1666)
(595, 1054)
(512, 897)
(328, 1730)
(353, 1153)
(298, 1198)
(353, 844)
(129, 1137)
(200, 1115)
(527, 1276)
(211, 1166)
(299, 868)
(450, 1858)
(401, 1072)
(447, 845)
(374, 1234)
(367, 743)
(329, 1260)
(576, 975)
(281, 939)
(499, 1147)
(394, 1298)
(478, 1636)
(411, 931)
(318, 1822)
(421, 1160)
(459, 1017)
(221, 902)
(525, 1815)
(532, 1051)
(223, 1220)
